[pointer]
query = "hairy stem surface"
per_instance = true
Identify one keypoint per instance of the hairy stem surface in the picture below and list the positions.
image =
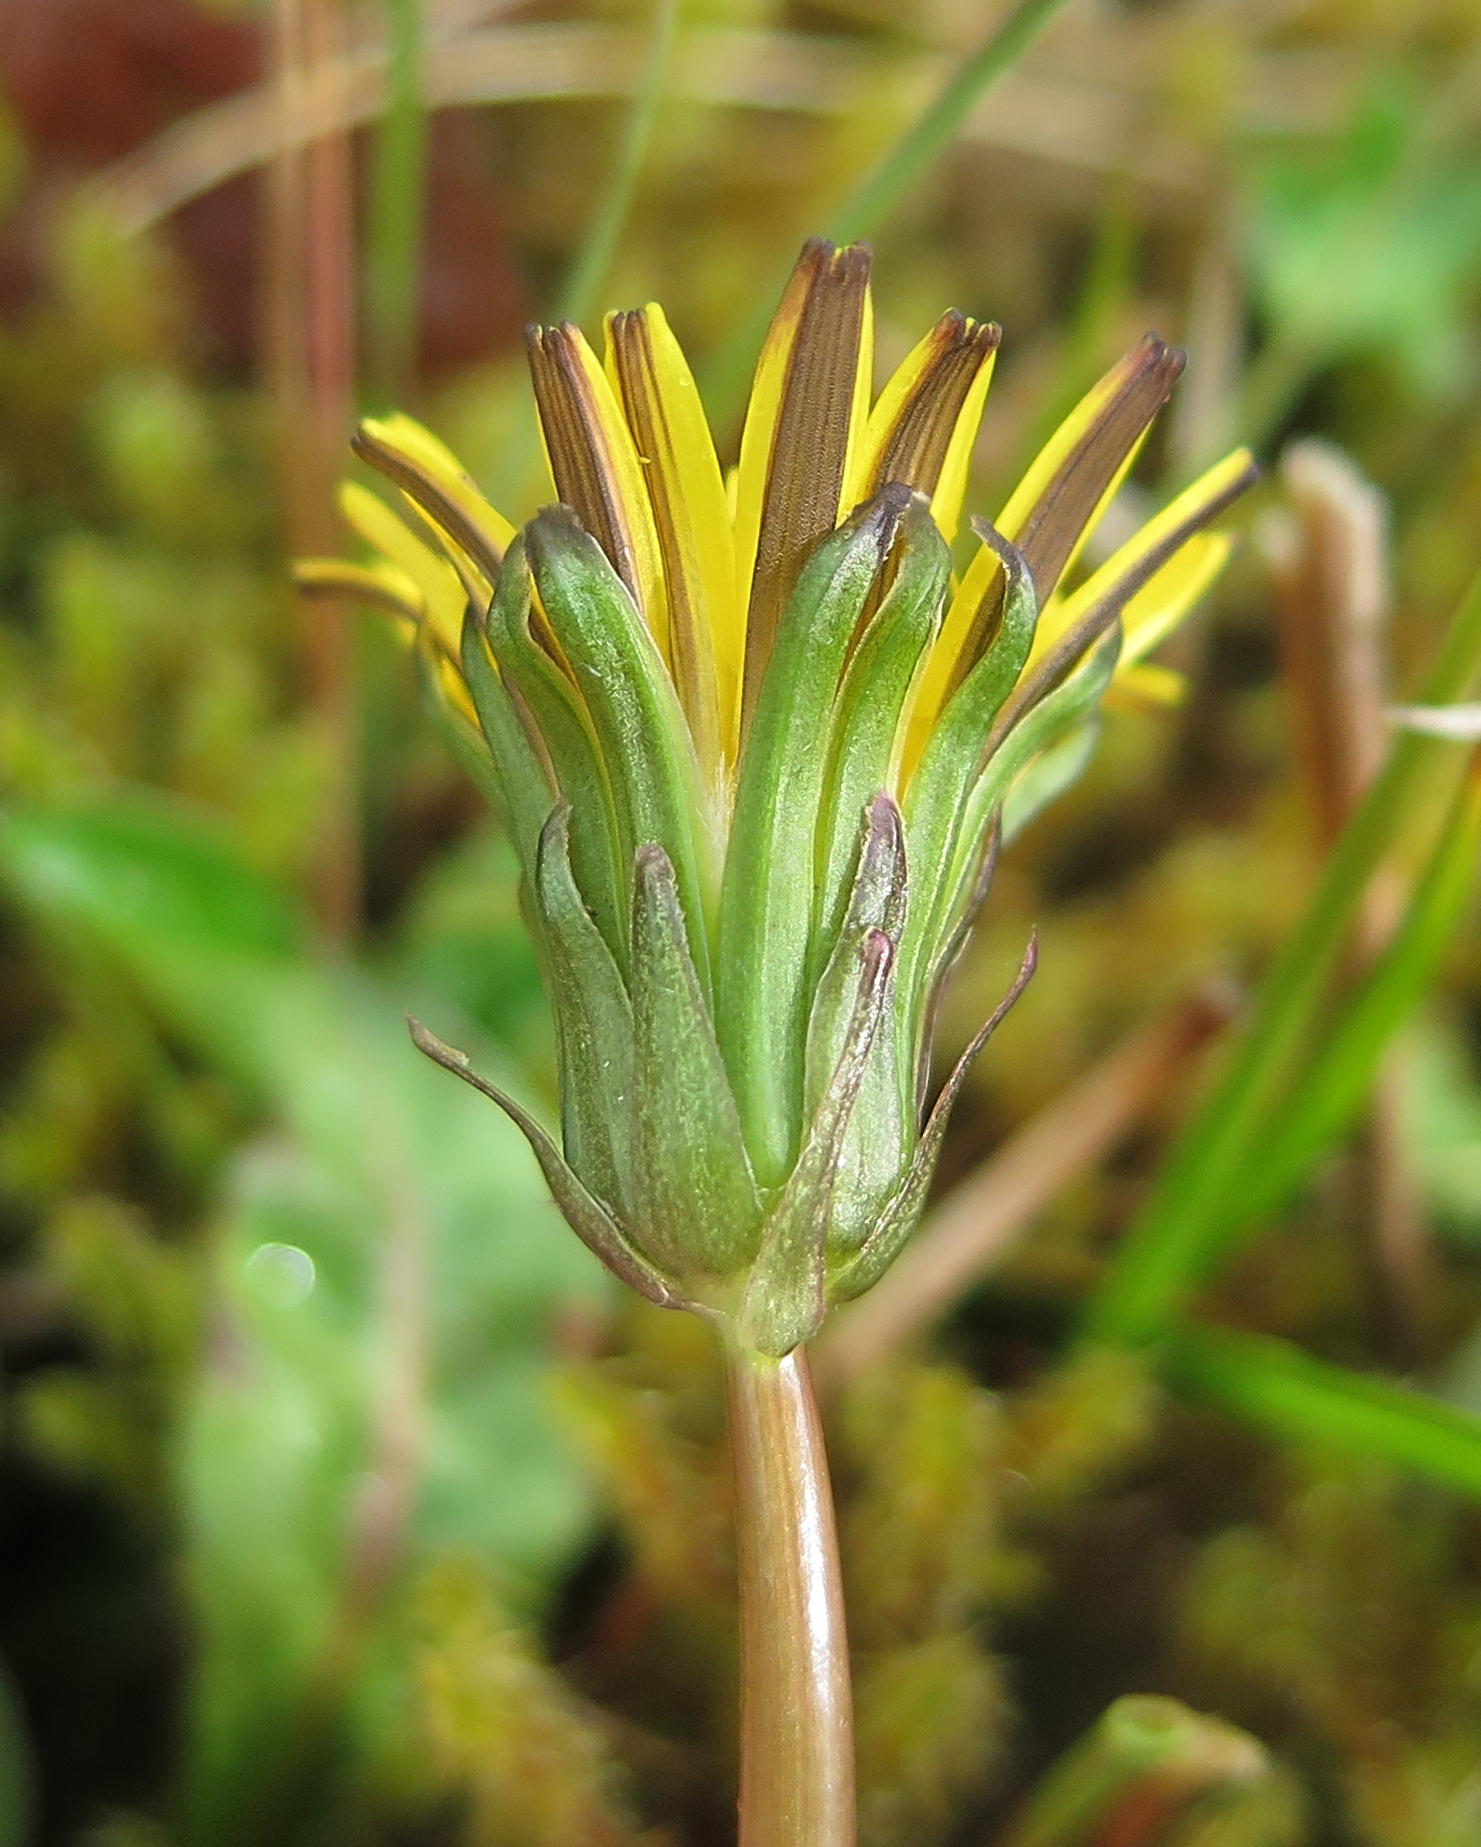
(797, 1750)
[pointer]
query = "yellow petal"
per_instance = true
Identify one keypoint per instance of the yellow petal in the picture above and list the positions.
(428, 471)
(379, 584)
(437, 582)
(746, 485)
(1072, 480)
(802, 429)
(965, 631)
(1146, 687)
(595, 464)
(692, 522)
(1155, 611)
(925, 423)
(1049, 516)
(1139, 566)
(452, 686)
(855, 460)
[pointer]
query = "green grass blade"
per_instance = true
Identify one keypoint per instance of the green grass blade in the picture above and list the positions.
(1332, 1089)
(1284, 1391)
(881, 190)
(877, 195)
(1169, 1246)
(397, 198)
(588, 276)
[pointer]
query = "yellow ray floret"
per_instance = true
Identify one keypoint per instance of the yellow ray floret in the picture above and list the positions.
(1050, 515)
(1161, 569)
(430, 475)
(802, 443)
(438, 584)
(380, 584)
(1146, 686)
(711, 561)
(656, 390)
(923, 427)
(595, 465)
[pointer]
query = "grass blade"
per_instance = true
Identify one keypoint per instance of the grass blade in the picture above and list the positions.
(881, 190)
(1332, 1089)
(1300, 1399)
(877, 195)
(593, 261)
(397, 198)
(1170, 1245)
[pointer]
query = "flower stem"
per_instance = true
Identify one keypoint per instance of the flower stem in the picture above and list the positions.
(797, 1747)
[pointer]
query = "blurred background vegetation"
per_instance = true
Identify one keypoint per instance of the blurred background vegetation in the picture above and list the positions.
(340, 1498)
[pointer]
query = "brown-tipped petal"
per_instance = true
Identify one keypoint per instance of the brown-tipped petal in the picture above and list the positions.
(1101, 601)
(381, 585)
(1057, 501)
(481, 541)
(919, 410)
(594, 463)
(691, 523)
(808, 457)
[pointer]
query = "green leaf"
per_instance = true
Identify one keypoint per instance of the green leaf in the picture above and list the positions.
(880, 1137)
(784, 1299)
(767, 904)
(866, 718)
(594, 1024)
(1286, 1392)
(388, 1250)
(520, 792)
(1167, 1249)
(640, 726)
(1366, 242)
(697, 1203)
(571, 742)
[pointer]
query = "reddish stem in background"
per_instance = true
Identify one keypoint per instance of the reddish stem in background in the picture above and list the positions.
(311, 368)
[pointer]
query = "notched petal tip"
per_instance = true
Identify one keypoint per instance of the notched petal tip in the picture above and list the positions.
(451, 501)
(925, 422)
(1077, 473)
(801, 442)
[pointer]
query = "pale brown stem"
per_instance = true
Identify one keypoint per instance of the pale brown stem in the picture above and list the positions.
(797, 1742)
(978, 1220)
(1330, 564)
(1331, 577)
